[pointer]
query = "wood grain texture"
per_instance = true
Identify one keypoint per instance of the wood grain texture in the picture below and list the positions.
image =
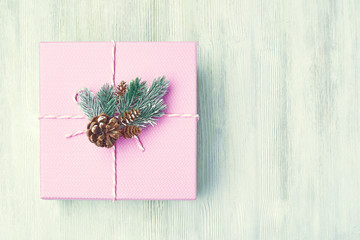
(279, 129)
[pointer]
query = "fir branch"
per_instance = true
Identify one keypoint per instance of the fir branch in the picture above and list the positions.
(137, 89)
(132, 96)
(147, 100)
(156, 91)
(88, 103)
(94, 104)
(150, 113)
(107, 99)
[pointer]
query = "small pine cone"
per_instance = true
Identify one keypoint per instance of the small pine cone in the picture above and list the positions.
(130, 131)
(129, 116)
(103, 131)
(120, 90)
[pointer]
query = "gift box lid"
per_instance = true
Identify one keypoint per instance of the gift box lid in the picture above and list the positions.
(76, 169)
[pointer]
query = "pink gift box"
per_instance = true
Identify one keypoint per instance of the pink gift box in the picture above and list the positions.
(74, 168)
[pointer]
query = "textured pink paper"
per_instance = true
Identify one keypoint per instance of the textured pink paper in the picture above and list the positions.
(76, 169)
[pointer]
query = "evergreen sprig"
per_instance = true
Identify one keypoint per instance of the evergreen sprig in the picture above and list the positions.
(156, 91)
(132, 96)
(150, 113)
(93, 104)
(138, 96)
(88, 103)
(147, 100)
(107, 99)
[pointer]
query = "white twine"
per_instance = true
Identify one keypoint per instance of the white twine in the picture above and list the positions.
(83, 117)
(75, 134)
(61, 117)
(139, 143)
(115, 173)
(114, 152)
(182, 115)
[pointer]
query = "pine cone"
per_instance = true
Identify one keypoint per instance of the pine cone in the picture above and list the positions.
(130, 131)
(120, 90)
(103, 131)
(128, 117)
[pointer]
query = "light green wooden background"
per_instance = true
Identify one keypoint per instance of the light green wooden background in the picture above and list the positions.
(279, 135)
